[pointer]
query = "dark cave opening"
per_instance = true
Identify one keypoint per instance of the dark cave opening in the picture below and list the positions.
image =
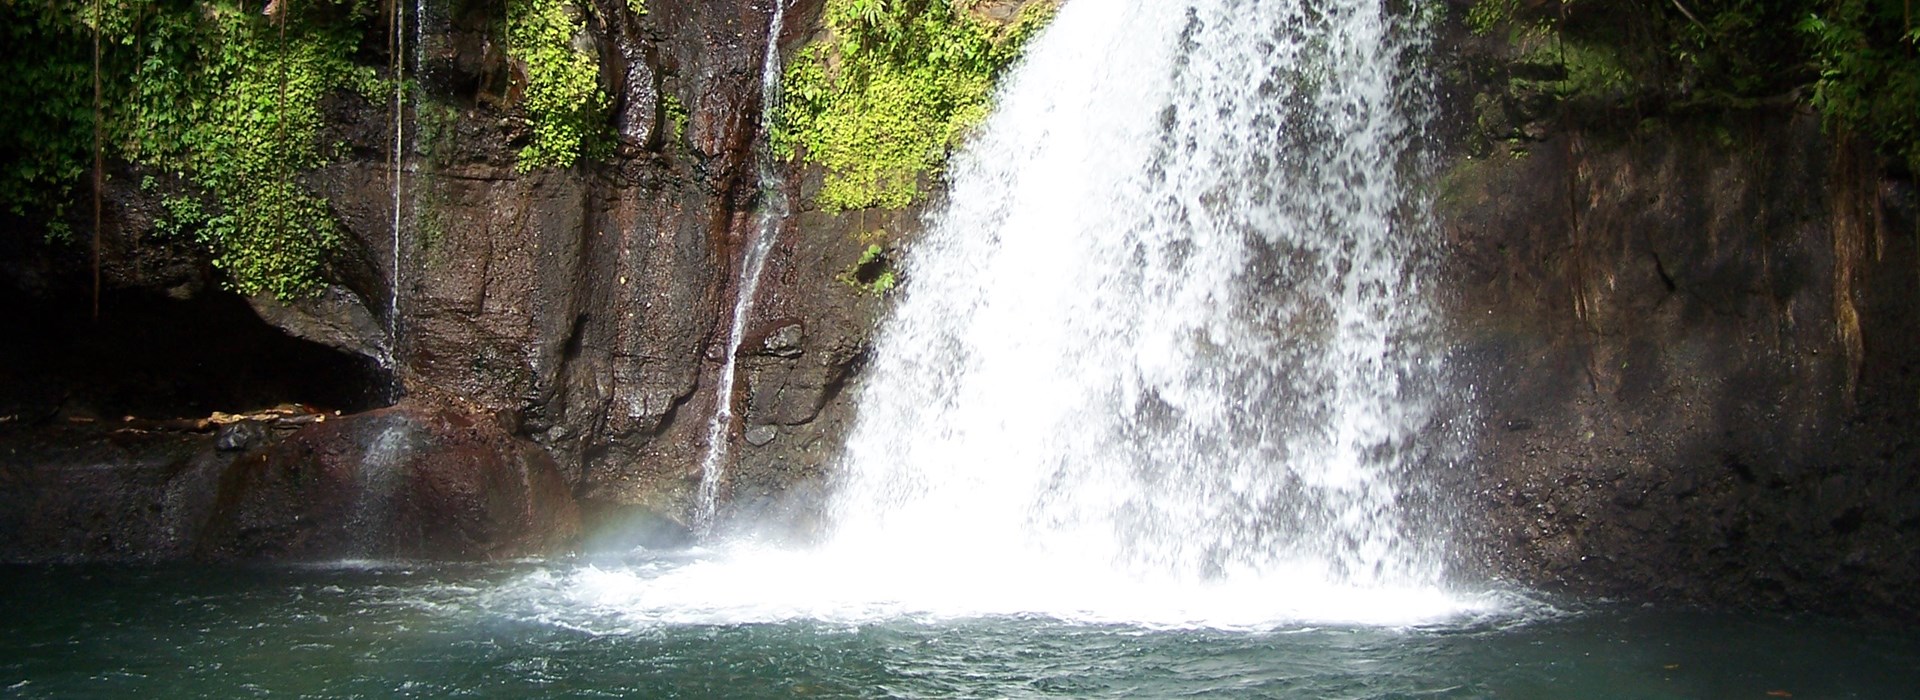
(152, 356)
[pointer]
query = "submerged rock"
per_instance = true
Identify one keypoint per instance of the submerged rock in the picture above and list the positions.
(409, 482)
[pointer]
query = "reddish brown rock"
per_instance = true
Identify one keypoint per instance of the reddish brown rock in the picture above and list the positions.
(409, 482)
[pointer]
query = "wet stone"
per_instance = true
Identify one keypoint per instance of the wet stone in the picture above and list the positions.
(784, 342)
(239, 436)
(760, 436)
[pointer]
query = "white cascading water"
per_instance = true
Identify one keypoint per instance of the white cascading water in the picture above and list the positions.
(773, 211)
(1169, 328)
(1164, 358)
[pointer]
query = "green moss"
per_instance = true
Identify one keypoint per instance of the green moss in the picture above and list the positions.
(436, 128)
(564, 104)
(882, 102)
(1585, 71)
(1463, 184)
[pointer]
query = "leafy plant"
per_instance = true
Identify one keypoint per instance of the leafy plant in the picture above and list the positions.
(1869, 73)
(676, 113)
(1859, 57)
(564, 103)
(184, 216)
(1486, 16)
(900, 81)
(873, 273)
(261, 129)
(46, 130)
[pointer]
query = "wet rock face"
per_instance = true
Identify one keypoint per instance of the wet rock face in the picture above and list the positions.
(588, 306)
(409, 482)
(74, 492)
(588, 303)
(592, 304)
(1693, 365)
(806, 342)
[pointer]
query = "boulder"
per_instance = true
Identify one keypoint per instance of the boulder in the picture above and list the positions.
(408, 482)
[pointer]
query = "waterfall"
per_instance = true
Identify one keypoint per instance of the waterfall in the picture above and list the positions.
(773, 211)
(1164, 357)
(1171, 328)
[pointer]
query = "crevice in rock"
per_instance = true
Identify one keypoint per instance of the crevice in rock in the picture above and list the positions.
(576, 339)
(1660, 268)
(667, 418)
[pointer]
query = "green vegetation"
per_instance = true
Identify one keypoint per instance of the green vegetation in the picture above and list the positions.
(1856, 61)
(46, 129)
(227, 101)
(1487, 16)
(899, 83)
(261, 129)
(222, 95)
(872, 273)
(564, 103)
(677, 116)
(1870, 73)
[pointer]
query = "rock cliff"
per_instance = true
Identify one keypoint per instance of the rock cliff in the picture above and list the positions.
(1689, 333)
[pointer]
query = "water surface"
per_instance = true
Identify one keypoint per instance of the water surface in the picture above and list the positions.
(543, 630)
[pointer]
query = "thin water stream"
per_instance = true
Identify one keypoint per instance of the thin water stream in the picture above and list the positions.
(773, 212)
(397, 48)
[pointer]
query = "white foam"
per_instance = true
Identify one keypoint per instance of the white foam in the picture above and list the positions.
(760, 586)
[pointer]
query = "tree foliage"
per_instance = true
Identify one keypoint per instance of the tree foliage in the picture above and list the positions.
(1853, 60)
(1869, 72)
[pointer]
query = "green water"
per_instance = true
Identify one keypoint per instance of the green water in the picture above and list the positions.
(512, 632)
